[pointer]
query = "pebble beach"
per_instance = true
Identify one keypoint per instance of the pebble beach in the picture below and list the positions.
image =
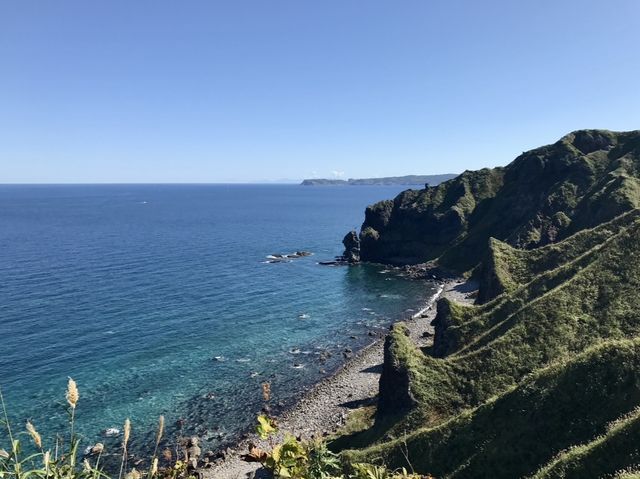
(324, 409)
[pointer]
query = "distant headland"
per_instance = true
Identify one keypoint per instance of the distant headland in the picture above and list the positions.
(408, 180)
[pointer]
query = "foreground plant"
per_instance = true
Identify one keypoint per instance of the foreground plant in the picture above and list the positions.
(60, 463)
(297, 459)
(44, 463)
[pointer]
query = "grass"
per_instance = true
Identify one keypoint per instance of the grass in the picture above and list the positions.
(628, 475)
(543, 368)
(616, 449)
(506, 268)
(34, 459)
(511, 434)
(358, 420)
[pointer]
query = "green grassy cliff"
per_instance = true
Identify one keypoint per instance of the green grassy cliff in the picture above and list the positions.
(508, 386)
(541, 378)
(547, 194)
(529, 428)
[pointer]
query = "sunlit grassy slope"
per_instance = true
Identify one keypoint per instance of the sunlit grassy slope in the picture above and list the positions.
(541, 380)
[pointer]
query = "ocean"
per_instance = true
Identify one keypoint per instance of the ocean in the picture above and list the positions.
(159, 299)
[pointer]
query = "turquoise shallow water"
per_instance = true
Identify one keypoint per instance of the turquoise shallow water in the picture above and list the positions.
(134, 290)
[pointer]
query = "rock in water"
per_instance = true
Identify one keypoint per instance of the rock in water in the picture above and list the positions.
(351, 244)
(111, 432)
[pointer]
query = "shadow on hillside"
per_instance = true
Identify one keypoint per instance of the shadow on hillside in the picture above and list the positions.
(469, 286)
(358, 403)
(366, 437)
(261, 473)
(377, 369)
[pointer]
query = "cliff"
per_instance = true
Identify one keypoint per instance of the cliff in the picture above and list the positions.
(540, 378)
(545, 195)
(543, 379)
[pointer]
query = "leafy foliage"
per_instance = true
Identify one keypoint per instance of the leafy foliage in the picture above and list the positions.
(289, 459)
(323, 464)
(266, 426)
(296, 459)
(371, 471)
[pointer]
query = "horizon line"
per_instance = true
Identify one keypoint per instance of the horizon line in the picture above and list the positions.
(91, 183)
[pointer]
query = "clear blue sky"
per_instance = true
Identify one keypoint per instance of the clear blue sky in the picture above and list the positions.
(245, 90)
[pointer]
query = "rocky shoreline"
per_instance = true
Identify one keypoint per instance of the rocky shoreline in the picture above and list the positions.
(325, 407)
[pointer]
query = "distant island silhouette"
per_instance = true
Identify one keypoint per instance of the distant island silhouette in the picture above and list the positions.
(408, 180)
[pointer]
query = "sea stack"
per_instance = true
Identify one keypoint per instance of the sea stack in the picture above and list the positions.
(351, 244)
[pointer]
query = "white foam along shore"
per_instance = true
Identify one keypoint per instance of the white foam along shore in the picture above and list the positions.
(324, 408)
(430, 302)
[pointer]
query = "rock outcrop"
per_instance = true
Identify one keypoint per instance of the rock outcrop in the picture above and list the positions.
(395, 384)
(351, 244)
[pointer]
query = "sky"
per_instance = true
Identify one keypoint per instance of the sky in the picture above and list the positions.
(254, 90)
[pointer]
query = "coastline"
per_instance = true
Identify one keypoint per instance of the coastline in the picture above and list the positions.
(324, 408)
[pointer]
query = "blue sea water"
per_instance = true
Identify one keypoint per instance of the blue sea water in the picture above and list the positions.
(134, 290)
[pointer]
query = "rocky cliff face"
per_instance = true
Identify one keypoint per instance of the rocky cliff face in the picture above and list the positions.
(543, 196)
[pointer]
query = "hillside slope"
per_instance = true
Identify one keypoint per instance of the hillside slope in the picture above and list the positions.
(545, 195)
(510, 385)
(541, 377)
(522, 431)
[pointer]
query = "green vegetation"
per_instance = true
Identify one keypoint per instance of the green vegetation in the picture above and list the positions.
(293, 458)
(544, 195)
(628, 475)
(505, 268)
(541, 378)
(616, 448)
(358, 420)
(542, 367)
(512, 434)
